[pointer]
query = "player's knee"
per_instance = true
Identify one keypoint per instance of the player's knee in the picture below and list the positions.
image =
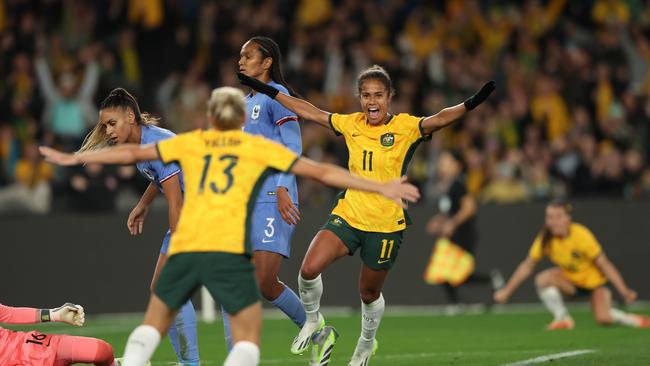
(104, 351)
(369, 295)
(269, 287)
(542, 280)
(309, 271)
(604, 320)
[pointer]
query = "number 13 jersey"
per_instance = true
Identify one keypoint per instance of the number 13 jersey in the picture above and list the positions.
(223, 172)
(380, 153)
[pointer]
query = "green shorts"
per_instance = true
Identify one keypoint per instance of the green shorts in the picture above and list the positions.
(378, 250)
(230, 279)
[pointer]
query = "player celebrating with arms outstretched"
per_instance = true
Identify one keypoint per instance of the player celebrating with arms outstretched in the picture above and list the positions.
(380, 147)
(223, 169)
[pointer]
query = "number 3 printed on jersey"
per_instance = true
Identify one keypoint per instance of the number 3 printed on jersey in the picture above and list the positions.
(227, 171)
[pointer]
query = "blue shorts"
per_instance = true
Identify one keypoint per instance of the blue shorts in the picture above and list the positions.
(165, 245)
(269, 232)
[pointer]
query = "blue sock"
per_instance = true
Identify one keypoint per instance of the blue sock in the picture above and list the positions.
(182, 335)
(290, 304)
(226, 329)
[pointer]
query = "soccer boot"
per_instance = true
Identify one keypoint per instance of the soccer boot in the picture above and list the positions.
(362, 353)
(644, 321)
(303, 339)
(566, 323)
(323, 346)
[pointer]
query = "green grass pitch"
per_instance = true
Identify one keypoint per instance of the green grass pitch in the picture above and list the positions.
(483, 339)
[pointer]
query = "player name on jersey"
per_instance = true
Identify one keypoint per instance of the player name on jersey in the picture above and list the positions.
(222, 142)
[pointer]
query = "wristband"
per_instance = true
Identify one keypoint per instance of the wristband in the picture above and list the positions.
(45, 315)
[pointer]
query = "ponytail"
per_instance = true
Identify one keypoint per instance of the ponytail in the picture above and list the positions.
(117, 98)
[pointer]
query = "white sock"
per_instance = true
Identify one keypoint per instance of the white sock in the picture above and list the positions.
(310, 294)
(243, 353)
(141, 344)
(371, 317)
(552, 298)
(624, 318)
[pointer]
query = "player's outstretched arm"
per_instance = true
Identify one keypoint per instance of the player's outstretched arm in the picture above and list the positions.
(123, 154)
(522, 272)
(298, 106)
(450, 114)
(66, 313)
(332, 175)
(614, 276)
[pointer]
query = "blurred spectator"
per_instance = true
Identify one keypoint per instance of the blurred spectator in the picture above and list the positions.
(93, 188)
(31, 191)
(572, 102)
(69, 110)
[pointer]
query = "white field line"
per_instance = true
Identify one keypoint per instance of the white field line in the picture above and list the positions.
(553, 357)
(398, 356)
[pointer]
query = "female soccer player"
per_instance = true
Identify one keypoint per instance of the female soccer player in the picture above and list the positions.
(120, 122)
(276, 207)
(36, 348)
(223, 170)
(380, 147)
(582, 268)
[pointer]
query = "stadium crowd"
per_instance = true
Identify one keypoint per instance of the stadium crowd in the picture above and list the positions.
(570, 116)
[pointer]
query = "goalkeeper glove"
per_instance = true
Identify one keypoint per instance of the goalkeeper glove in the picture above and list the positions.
(66, 313)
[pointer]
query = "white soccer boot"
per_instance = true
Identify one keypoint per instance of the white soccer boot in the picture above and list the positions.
(365, 349)
(303, 339)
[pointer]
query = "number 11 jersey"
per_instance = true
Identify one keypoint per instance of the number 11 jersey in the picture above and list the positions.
(380, 153)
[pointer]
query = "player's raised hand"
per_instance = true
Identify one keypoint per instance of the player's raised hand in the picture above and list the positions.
(69, 313)
(290, 213)
(257, 85)
(480, 96)
(135, 222)
(57, 157)
(399, 191)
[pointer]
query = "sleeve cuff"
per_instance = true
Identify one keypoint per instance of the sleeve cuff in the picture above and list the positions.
(426, 137)
(329, 119)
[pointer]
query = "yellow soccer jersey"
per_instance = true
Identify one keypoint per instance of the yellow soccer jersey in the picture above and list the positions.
(380, 153)
(222, 171)
(575, 255)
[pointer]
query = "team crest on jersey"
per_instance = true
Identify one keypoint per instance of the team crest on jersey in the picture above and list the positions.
(256, 111)
(336, 221)
(387, 139)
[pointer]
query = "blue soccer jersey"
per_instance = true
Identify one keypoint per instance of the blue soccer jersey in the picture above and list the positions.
(272, 120)
(155, 171)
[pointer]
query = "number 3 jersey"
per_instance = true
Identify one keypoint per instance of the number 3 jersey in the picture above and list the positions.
(223, 172)
(380, 153)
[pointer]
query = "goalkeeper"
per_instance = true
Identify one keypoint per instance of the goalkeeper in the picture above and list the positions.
(36, 348)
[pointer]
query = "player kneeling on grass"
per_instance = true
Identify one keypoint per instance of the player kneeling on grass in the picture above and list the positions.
(582, 268)
(223, 168)
(36, 348)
